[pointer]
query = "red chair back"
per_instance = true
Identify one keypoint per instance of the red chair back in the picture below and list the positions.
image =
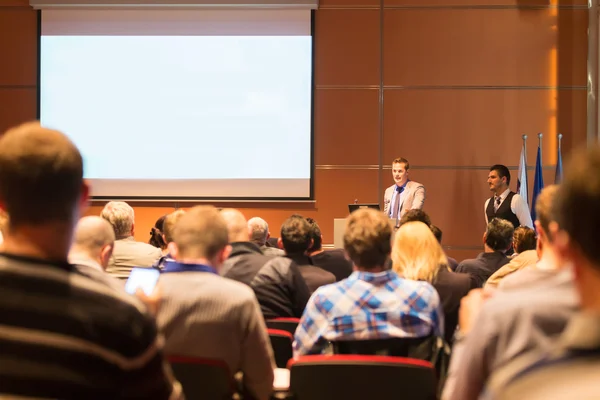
(284, 324)
(325, 377)
(281, 341)
(203, 378)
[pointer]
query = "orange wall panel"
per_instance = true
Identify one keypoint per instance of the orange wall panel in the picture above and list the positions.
(17, 105)
(348, 3)
(477, 127)
(475, 47)
(347, 47)
(346, 126)
(515, 3)
(18, 46)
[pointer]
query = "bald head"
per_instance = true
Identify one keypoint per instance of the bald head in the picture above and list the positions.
(237, 226)
(94, 238)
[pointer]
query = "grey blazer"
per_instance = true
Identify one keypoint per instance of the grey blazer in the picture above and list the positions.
(412, 197)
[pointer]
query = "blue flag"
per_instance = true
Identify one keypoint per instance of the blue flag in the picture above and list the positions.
(559, 169)
(538, 181)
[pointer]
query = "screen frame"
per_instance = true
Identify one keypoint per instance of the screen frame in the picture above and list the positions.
(310, 197)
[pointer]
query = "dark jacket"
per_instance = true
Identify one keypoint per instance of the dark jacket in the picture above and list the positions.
(276, 281)
(333, 261)
(482, 267)
(314, 277)
(451, 288)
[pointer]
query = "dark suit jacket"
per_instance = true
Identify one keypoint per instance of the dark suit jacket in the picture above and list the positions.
(315, 277)
(451, 288)
(334, 261)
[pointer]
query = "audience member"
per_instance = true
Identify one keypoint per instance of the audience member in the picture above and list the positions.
(373, 302)
(205, 315)
(168, 226)
(156, 235)
(569, 369)
(93, 243)
(524, 243)
(64, 335)
(333, 261)
(497, 239)
(277, 282)
(437, 232)
(417, 255)
(127, 253)
(514, 321)
(259, 235)
(296, 239)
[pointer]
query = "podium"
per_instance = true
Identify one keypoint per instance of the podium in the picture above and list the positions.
(339, 226)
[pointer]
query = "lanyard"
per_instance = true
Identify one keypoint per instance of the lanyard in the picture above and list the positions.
(174, 266)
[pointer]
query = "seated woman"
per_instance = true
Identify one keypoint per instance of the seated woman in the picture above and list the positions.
(524, 243)
(417, 255)
(156, 235)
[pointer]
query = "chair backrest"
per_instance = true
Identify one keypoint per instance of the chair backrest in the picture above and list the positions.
(203, 378)
(325, 377)
(422, 347)
(284, 324)
(281, 341)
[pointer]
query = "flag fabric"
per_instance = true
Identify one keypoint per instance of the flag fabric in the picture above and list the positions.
(522, 182)
(559, 168)
(538, 181)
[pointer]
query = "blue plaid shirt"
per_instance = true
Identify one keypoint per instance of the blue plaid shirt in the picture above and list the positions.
(368, 306)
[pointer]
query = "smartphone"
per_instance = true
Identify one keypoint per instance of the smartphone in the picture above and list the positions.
(142, 278)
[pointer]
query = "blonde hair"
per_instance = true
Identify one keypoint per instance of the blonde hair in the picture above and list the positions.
(416, 253)
(169, 224)
(120, 215)
(200, 233)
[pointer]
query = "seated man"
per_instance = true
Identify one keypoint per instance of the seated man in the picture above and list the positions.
(127, 253)
(259, 235)
(205, 315)
(373, 302)
(276, 281)
(296, 239)
(497, 239)
(333, 261)
(93, 243)
(63, 335)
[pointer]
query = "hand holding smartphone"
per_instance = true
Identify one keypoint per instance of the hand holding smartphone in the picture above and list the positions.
(142, 278)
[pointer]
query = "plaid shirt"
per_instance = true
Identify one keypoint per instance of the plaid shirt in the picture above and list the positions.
(368, 306)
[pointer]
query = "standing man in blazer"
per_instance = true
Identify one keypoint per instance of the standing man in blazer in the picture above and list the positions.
(405, 194)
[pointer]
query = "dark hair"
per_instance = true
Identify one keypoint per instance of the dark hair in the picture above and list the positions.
(499, 234)
(524, 239)
(502, 171)
(315, 235)
(41, 175)
(415, 215)
(437, 232)
(296, 234)
(575, 205)
(156, 234)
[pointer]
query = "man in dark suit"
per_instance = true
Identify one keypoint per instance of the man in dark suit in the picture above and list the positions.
(333, 261)
(296, 239)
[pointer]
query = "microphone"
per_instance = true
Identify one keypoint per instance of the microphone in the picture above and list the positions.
(355, 201)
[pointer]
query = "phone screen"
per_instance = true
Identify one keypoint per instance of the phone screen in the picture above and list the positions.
(143, 278)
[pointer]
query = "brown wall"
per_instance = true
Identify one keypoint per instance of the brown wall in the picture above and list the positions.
(460, 84)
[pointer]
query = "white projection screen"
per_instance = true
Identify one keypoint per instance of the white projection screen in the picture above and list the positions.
(183, 104)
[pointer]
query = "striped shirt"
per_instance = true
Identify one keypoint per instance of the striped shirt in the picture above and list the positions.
(65, 335)
(369, 306)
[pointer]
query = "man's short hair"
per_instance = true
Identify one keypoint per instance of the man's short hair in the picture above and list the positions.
(502, 171)
(200, 233)
(92, 233)
(169, 224)
(237, 226)
(524, 239)
(296, 234)
(315, 232)
(401, 160)
(543, 207)
(499, 234)
(41, 175)
(437, 232)
(367, 238)
(259, 230)
(576, 205)
(121, 216)
(415, 215)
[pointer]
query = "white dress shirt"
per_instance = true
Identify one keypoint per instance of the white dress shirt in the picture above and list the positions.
(518, 206)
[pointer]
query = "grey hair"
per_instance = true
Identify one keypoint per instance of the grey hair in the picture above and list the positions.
(259, 230)
(120, 215)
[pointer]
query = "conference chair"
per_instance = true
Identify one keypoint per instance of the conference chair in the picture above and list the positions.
(281, 342)
(333, 377)
(284, 324)
(203, 378)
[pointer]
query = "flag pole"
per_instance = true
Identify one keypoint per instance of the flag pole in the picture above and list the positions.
(540, 145)
(560, 141)
(525, 148)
